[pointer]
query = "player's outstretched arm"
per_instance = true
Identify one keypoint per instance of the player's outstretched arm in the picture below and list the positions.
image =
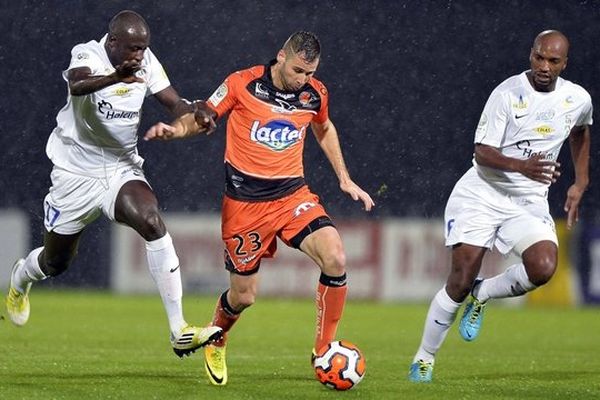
(579, 141)
(182, 127)
(327, 136)
(178, 106)
(171, 100)
(200, 120)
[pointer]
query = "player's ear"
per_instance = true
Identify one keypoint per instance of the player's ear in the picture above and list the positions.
(111, 40)
(281, 56)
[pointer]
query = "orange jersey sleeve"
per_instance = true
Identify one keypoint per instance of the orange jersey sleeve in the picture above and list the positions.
(266, 127)
(323, 114)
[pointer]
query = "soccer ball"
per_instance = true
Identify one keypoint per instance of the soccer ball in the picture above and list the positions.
(340, 365)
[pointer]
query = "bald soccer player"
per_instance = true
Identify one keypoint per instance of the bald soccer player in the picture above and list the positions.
(97, 170)
(502, 200)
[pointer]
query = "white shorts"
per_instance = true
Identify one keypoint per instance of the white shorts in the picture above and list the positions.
(481, 215)
(74, 201)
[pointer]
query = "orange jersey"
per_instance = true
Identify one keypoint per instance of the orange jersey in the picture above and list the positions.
(266, 129)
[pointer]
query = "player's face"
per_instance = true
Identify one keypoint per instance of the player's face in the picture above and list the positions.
(128, 48)
(548, 59)
(295, 72)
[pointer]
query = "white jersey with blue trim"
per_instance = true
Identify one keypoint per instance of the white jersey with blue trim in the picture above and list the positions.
(97, 132)
(522, 122)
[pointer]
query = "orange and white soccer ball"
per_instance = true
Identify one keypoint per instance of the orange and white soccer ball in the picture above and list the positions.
(340, 365)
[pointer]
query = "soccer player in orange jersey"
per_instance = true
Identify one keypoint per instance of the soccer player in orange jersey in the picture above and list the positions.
(270, 109)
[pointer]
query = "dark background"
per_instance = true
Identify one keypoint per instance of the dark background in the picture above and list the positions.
(408, 81)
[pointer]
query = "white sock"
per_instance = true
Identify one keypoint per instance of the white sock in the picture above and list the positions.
(440, 317)
(29, 272)
(164, 268)
(511, 283)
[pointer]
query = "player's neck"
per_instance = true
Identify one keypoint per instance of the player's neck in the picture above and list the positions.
(537, 88)
(276, 77)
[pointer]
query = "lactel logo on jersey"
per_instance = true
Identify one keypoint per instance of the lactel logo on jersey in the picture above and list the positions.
(277, 135)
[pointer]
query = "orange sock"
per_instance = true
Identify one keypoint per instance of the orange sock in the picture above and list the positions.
(330, 300)
(224, 317)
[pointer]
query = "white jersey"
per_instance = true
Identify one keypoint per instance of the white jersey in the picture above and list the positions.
(522, 122)
(97, 133)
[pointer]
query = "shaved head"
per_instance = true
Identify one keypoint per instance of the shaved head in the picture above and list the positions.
(552, 40)
(128, 23)
(128, 38)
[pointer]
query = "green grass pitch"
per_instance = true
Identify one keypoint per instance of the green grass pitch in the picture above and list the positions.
(91, 345)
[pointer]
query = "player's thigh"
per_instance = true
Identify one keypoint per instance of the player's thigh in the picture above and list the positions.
(301, 214)
(248, 231)
(474, 212)
(532, 226)
(325, 247)
(72, 202)
(129, 196)
(307, 227)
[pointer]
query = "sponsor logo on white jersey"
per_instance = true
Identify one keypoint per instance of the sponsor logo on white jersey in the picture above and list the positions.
(482, 125)
(105, 108)
(547, 115)
(521, 104)
(568, 101)
(544, 130)
(122, 91)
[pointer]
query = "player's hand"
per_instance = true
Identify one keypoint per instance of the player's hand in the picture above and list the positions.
(574, 195)
(160, 131)
(357, 194)
(540, 169)
(204, 118)
(126, 71)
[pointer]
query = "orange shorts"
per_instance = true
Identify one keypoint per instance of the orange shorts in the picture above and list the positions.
(250, 229)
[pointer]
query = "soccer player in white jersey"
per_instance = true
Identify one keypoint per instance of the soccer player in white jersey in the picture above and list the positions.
(97, 169)
(502, 200)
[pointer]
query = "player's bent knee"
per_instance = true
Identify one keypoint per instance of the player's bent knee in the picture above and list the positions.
(543, 271)
(540, 262)
(243, 301)
(334, 263)
(458, 290)
(460, 282)
(153, 226)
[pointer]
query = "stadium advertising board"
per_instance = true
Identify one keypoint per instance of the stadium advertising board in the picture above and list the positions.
(393, 259)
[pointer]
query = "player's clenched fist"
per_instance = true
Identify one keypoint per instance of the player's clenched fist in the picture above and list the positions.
(204, 117)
